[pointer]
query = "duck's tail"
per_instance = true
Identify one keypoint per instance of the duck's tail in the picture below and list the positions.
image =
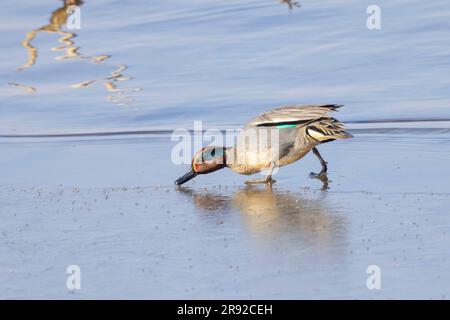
(327, 129)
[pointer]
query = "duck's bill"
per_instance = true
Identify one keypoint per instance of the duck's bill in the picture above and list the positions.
(188, 176)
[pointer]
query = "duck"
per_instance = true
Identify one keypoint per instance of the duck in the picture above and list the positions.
(298, 130)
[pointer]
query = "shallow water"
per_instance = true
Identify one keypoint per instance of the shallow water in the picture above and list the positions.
(87, 177)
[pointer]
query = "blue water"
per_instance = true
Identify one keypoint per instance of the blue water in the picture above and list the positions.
(223, 62)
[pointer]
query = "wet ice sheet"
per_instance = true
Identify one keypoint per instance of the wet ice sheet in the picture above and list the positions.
(135, 235)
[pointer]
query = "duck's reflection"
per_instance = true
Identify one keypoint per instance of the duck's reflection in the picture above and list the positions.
(270, 211)
(57, 23)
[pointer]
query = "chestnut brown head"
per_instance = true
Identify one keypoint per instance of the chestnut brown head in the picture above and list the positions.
(206, 160)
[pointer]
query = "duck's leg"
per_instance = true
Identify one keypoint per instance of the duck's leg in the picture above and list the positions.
(322, 162)
(267, 180)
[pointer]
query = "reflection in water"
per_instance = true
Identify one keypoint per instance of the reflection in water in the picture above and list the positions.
(110, 83)
(324, 179)
(70, 51)
(268, 211)
(57, 20)
(27, 89)
(291, 4)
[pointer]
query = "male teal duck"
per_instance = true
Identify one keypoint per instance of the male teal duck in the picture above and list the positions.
(298, 130)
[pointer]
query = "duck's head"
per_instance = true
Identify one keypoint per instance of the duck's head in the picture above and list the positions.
(206, 160)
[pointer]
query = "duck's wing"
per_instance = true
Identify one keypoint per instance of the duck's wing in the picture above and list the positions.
(292, 115)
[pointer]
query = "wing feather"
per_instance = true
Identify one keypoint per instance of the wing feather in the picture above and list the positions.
(296, 114)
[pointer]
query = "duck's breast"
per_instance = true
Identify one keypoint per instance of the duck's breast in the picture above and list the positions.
(254, 151)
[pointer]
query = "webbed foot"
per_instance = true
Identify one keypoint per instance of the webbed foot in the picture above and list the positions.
(269, 181)
(322, 176)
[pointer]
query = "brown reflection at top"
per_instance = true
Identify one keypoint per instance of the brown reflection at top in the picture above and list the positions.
(70, 50)
(269, 211)
(57, 20)
(291, 4)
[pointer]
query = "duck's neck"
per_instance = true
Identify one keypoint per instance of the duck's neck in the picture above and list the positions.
(229, 153)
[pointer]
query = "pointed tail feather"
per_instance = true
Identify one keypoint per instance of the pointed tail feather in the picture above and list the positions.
(327, 129)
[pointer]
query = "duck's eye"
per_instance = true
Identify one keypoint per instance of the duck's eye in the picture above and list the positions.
(210, 154)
